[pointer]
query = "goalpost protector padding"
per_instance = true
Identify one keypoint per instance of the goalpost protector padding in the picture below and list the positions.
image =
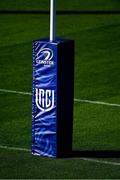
(52, 97)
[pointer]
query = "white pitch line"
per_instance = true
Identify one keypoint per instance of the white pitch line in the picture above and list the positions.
(76, 100)
(14, 148)
(15, 92)
(96, 102)
(83, 159)
(101, 162)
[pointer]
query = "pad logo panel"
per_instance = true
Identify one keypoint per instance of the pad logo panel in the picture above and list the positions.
(44, 99)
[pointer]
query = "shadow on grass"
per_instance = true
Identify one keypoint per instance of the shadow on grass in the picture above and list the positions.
(96, 154)
(63, 12)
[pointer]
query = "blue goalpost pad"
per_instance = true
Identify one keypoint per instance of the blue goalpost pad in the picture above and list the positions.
(52, 97)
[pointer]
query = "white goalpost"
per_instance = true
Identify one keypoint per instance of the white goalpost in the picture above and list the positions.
(52, 20)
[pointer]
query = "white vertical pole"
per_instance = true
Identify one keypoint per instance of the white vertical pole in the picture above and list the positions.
(52, 20)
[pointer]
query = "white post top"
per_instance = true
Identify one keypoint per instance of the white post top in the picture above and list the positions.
(52, 20)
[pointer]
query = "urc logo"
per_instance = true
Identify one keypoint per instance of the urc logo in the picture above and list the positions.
(45, 99)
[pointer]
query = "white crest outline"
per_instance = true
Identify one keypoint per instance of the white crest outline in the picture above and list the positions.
(39, 100)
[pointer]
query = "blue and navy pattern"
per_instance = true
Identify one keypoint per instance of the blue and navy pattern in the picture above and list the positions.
(44, 98)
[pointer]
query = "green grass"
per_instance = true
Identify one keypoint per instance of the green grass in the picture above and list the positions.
(96, 127)
(15, 127)
(24, 165)
(97, 77)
